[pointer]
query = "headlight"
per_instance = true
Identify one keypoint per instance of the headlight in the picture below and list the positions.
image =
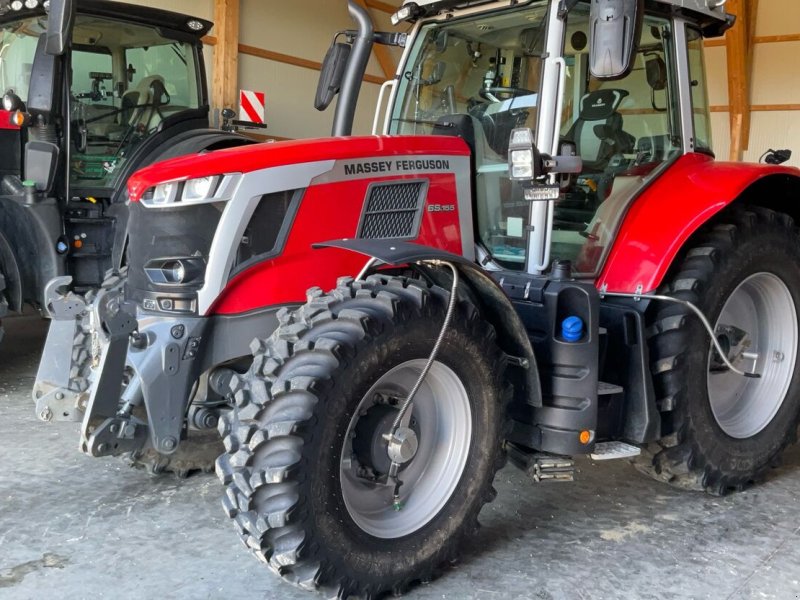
(193, 191)
(165, 193)
(196, 190)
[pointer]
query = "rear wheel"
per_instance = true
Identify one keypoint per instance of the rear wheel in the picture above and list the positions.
(722, 430)
(306, 463)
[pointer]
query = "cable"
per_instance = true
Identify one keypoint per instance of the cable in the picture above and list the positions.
(447, 319)
(699, 315)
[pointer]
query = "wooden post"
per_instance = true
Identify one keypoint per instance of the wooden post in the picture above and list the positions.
(739, 48)
(225, 87)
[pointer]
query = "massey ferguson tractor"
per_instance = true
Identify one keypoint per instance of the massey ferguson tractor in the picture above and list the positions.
(537, 257)
(94, 90)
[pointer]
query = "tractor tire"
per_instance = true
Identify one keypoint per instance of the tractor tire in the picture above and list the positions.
(722, 431)
(196, 454)
(304, 448)
(3, 305)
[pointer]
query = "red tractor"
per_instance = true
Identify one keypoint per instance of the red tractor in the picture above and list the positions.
(546, 261)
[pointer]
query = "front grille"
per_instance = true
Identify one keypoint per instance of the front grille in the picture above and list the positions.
(392, 211)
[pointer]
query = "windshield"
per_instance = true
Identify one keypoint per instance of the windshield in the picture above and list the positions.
(17, 47)
(485, 70)
(487, 66)
(125, 81)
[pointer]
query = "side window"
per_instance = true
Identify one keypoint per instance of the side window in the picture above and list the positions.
(697, 73)
(622, 130)
(169, 64)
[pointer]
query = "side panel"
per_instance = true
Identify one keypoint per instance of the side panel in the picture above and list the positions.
(328, 211)
(674, 207)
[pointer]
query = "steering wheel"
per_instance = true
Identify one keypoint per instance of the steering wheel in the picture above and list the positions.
(491, 93)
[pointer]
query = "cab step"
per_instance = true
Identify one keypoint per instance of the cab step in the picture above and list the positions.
(541, 467)
(614, 451)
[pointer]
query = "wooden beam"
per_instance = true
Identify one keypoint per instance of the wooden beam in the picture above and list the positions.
(295, 61)
(383, 6)
(759, 108)
(758, 39)
(382, 53)
(225, 86)
(739, 44)
(286, 59)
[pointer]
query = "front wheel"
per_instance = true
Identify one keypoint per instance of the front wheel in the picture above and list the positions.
(306, 464)
(723, 430)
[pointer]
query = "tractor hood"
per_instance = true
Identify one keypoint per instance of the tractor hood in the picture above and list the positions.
(247, 159)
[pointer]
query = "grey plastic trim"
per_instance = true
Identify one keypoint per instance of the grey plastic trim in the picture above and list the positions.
(237, 214)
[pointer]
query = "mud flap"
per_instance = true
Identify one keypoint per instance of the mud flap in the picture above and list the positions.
(58, 392)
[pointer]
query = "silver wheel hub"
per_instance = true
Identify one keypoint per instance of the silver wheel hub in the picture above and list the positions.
(403, 445)
(431, 451)
(758, 329)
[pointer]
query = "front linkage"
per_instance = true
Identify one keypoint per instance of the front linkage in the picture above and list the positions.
(128, 378)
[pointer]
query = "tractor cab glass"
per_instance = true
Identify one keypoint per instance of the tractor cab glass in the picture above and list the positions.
(623, 130)
(125, 82)
(17, 48)
(479, 77)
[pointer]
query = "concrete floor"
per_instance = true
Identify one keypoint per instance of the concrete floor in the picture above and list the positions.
(75, 527)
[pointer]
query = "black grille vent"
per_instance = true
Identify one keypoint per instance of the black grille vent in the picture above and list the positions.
(392, 211)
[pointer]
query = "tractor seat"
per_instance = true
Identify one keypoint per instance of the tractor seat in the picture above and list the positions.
(141, 106)
(597, 133)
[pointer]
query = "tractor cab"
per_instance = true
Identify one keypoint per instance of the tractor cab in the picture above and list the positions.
(482, 74)
(131, 69)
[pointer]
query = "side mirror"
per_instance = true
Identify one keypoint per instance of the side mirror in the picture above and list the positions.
(331, 75)
(437, 74)
(59, 26)
(614, 34)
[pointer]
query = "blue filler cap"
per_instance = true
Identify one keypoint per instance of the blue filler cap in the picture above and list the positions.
(572, 329)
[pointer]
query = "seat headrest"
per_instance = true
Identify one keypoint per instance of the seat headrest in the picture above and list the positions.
(601, 104)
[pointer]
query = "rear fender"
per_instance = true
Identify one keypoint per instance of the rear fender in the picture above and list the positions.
(686, 197)
(493, 303)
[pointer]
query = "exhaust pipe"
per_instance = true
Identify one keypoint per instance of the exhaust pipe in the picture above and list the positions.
(356, 68)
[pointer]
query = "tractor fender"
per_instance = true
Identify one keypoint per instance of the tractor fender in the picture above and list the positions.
(493, 303)
(678, 203)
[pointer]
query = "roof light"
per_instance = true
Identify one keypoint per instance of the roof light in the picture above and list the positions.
(195, 25)
(407, 13)
(31, 4)
(17, 5)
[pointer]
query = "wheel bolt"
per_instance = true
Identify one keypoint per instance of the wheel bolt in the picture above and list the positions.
(778, 356)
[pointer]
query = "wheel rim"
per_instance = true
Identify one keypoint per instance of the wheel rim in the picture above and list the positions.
(758, 328)
(443, 416)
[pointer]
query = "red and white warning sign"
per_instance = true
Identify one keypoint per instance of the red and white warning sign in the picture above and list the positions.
(252, 107)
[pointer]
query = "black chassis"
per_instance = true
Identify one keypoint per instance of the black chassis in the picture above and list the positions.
(601, 384)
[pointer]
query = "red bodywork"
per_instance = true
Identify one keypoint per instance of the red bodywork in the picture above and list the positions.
(5, 120)
(328, 210)
(666, 214)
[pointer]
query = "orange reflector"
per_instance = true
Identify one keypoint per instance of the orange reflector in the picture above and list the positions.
(585, 437)
(78, 244)
(18, 118)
